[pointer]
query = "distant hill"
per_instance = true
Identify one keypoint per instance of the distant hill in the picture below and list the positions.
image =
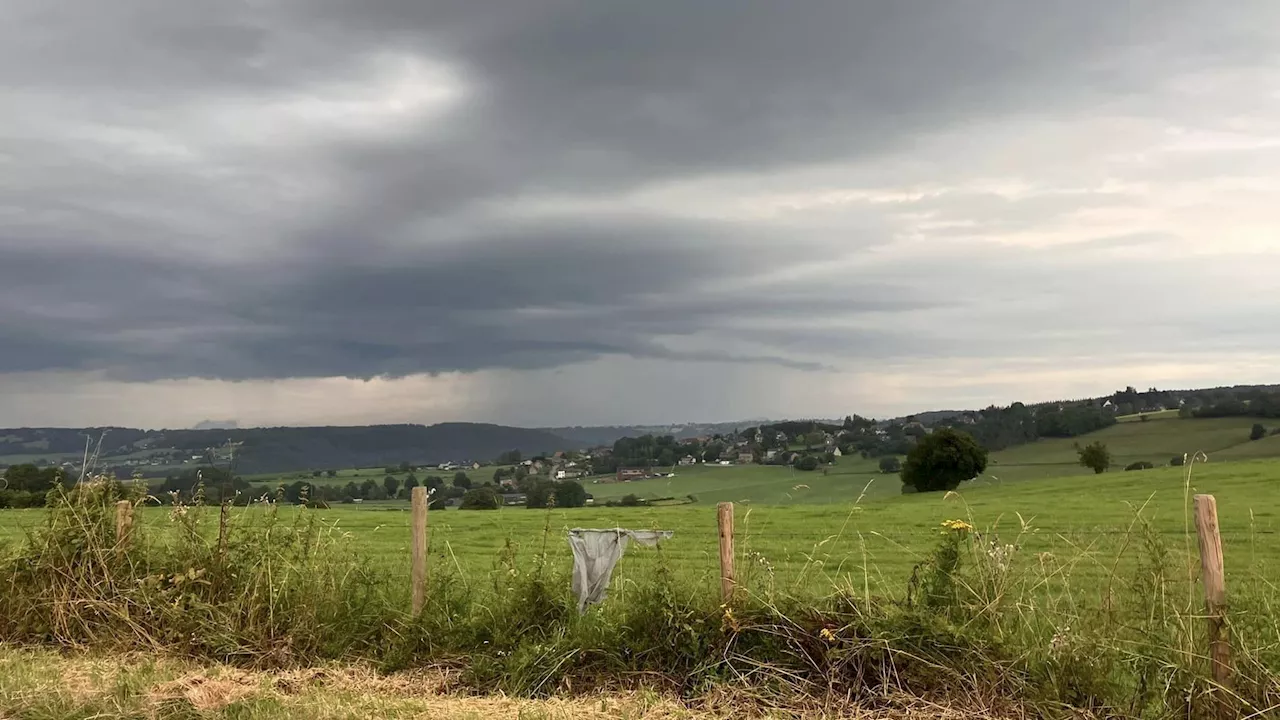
(1158, 441)
(268, 450)
(931, 417)
(607, 434)
(215, 425)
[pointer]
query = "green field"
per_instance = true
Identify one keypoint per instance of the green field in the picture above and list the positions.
(19, 459)
(1156, 441)
(359, 475)
(1083, 522)
(1109, 562)
(851, 523)
(1085, 519)
(1138, 417)
(852, 477)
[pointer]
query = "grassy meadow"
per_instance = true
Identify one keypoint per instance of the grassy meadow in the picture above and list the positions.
(850, 523)
(1074, 592)
(1082, 521)
(852, 478)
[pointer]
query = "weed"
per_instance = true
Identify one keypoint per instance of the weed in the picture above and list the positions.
(980, 616)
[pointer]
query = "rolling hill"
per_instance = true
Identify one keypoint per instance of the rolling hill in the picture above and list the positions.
(269, 450)
(1156, 441)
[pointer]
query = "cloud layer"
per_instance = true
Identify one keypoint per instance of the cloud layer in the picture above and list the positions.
(787, 208)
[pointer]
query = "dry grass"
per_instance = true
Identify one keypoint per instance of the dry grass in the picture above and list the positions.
(40, 685)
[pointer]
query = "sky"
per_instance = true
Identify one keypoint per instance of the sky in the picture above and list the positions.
(576, 212)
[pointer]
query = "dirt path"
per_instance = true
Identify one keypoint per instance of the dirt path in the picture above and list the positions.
(43, 685)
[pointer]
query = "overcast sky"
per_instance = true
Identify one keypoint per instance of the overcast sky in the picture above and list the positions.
(545, 212)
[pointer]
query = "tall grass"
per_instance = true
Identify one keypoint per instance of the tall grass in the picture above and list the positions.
(978, 619)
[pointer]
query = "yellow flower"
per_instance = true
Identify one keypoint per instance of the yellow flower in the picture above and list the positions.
(729, 622)
(828, 635)
(957, 525)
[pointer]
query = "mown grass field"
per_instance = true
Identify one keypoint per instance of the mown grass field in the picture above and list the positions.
(1083, 523)
(20, 458)
(1138, 417)
(359, 475)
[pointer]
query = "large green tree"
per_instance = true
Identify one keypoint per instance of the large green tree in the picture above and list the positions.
(537, 492)
(570, 494)
(481, 498)
(33, 479)
(1095, 456)
(942, 460)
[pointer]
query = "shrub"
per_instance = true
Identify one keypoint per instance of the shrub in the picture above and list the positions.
(942, 460)
(1257, 432)
(538, 492)
(1140, 465)
(631, 500)
(1178, 461)
(1095, 456)
(25, 486)
(808, 463)
(570, 494)
(890, 464)
(481, 498)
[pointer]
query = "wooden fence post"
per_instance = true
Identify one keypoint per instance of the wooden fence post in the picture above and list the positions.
(419, 502)
(724, 518)
(124, 524)
(1215, 596)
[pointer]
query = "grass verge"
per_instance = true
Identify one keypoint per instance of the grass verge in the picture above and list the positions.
(977, 622)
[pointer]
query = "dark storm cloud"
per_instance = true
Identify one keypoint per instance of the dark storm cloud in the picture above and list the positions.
(154, 224)
(558, 295)
(585, 97)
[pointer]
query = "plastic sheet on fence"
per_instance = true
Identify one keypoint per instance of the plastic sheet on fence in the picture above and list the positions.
(596, 552)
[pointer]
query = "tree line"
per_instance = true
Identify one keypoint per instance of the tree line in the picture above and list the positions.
(1256, 404)
(25, 486)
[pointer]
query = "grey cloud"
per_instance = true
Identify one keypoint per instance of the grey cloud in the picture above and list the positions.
(985, 213)
(561, 293)
(591, 96)
(139, 237)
